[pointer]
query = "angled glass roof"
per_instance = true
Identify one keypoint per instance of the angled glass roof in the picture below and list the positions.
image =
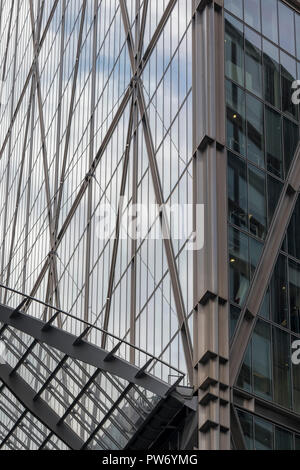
(53, 399)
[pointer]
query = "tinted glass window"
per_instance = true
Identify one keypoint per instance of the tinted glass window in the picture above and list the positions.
(294, 281)
(286, 28)
(269, 19)
(255, 131)
(281, 368)
(257, 202)
(261, 347)
(235, 6)
(288, 76)
(274, 142)
(253, 62)
(234, 49)
(263, 435)
(235, 98)
(283, 439)
(239, 266)
(278, 290)
(291, 138)
(237, 191)
(294, 233)
(252, 13)
(271, 74)
(274, 192)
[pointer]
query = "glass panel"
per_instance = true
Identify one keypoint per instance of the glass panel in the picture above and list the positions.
(234, 49)
(253, 61)
(297, 20)
(288, 75)
(255, 251)
(235, 6)
(286, 28)
(261, 350)
(263, 432)
(234, 318)
(297, 442)
(257, 202)
(274, 192)
(237, 191)
(246, 421)
(278, 290)
(273, 142)
(271, 74)
(235, 98)
(296, 380)
(244, 381)
(239, 266)
(255, 131)
(252, 13)
(294, 232)
(269, 19)
(265, 307)
(294, 289)
(281, 368)
(283, 439)
(291, 138)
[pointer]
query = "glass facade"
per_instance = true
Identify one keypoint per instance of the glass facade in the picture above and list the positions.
(261, 63)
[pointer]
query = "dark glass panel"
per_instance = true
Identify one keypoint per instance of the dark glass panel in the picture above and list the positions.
(297, 442)
(244, 380)
(246, 421)
(252, 13)
(255, 131)
(271, 74)
(255, 251)
(239, 266)
(235, 6)
(263, 432)
(283, 439)
(296, 382)
(274, 142)
(274, 191)
(234, 318)
(261, 362)
(288, 76)
(291, 139)
(286, 28)
(265, 306)
(236, 125)
(294, 285)
(257, 202)
(234, 49)
(237, 191)
(294, 232)
(253, 62)
(282, 367)
(278, 291)
(269, 19)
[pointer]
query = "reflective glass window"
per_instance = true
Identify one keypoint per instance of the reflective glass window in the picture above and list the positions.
(271, 74)
(286, 28)
(265, 306)
(246, 421)
(283, 439)
(245, 377)
(255, 131)
(278, 290)
(237, 190)
(291, 139)
(274, 142)
(263, 432)
(235, 6)
(294, 232)
(281, 367)
(297, 21)
(261, 350)
(239, 266)
(274, 191)
(234, 49)
(294, 295)
(255, 251)
(253, 62)
(234, 318)
(235, 99)
(252, 13)
(269, 19)
(288, 76)
(257, 202)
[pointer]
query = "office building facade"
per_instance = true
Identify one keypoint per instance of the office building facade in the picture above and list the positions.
(150, 244)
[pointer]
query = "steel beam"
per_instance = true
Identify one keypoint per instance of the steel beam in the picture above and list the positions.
(84, 352)
(39, 408)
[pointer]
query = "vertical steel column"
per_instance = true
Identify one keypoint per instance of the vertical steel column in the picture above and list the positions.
(211, 336)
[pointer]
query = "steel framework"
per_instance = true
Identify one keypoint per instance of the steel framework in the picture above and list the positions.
(210, 368)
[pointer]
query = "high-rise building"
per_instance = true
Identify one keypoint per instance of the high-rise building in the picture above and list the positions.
(149, 224)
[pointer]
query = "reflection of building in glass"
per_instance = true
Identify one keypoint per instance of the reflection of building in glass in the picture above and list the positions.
(149, 102)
